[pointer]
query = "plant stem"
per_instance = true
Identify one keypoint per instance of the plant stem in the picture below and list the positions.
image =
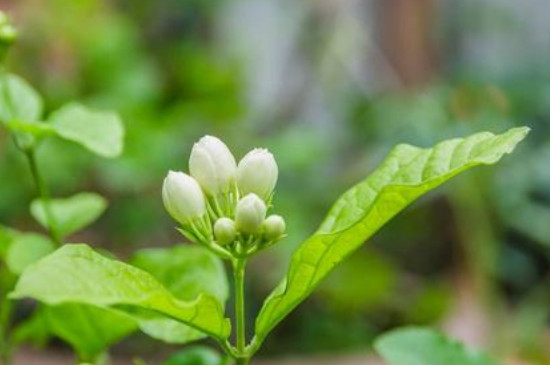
(242, 361)
(239, 269)
(6, 309)
(44, 194)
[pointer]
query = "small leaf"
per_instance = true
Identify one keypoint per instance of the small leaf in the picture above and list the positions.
(99, 132)
(186, 271)
(26, 249)
(71, 214)
(407, 173)
(19, 101)
(420, 346)
(77, 274)
(197, 355)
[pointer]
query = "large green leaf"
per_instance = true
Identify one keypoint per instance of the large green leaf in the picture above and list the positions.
(420, 346)
(99, 132)
(19, 101)
(25, 249)
(71, 214)
(77, 274)
(406, 174)
(186, 271)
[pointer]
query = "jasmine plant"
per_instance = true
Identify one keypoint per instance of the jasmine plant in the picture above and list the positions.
(223, 208)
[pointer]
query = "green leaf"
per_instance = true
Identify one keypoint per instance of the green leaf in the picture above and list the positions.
(186, 271)
(26, 249)
(6, 239)
(89, 330)
(19, 101)
(169, 330)
(406, 174)
(71, 214)
(420, 346)
(99, 132)
(77, 274)
(197, 355)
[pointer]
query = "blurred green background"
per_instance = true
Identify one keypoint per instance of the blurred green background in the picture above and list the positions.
(328, 86)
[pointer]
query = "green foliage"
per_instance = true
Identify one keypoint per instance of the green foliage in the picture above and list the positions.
(100, 132)
(89, 330)
(71, 214)
(405, 175)
(77, 274)
(187, 272)
(25, 249)
(197, 355)
(420, 346)
(6, 239)
(19, 101)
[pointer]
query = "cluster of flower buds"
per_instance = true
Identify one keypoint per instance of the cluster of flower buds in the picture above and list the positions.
(8, 34)
(222, 204)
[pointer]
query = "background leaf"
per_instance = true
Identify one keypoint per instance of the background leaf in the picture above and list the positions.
(89, 330)
(406, 174)
(99, 132)
(420, 346)
(6, 239)
(197, 355)
(71, 214)
(20, 101)
(186, 271)
(25, 249)
(77, 274)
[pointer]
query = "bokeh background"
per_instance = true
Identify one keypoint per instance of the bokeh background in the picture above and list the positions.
(328, 86)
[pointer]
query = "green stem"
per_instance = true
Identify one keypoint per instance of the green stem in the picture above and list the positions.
(44, 194)
(6, 310)
(239, 269)
(242, 361)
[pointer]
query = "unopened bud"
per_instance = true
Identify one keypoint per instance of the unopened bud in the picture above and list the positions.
(250, 213)
(274, 227)
(183, 197)
(212, 165)
(257, 173)
(225, 231)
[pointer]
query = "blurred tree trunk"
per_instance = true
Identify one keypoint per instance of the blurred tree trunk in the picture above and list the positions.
(406, 27)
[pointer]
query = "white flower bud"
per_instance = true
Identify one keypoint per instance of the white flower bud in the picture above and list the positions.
(274, 227)
(183, 197)
(250, 213)
(212, 165)
(257, 173)
(225, 231)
